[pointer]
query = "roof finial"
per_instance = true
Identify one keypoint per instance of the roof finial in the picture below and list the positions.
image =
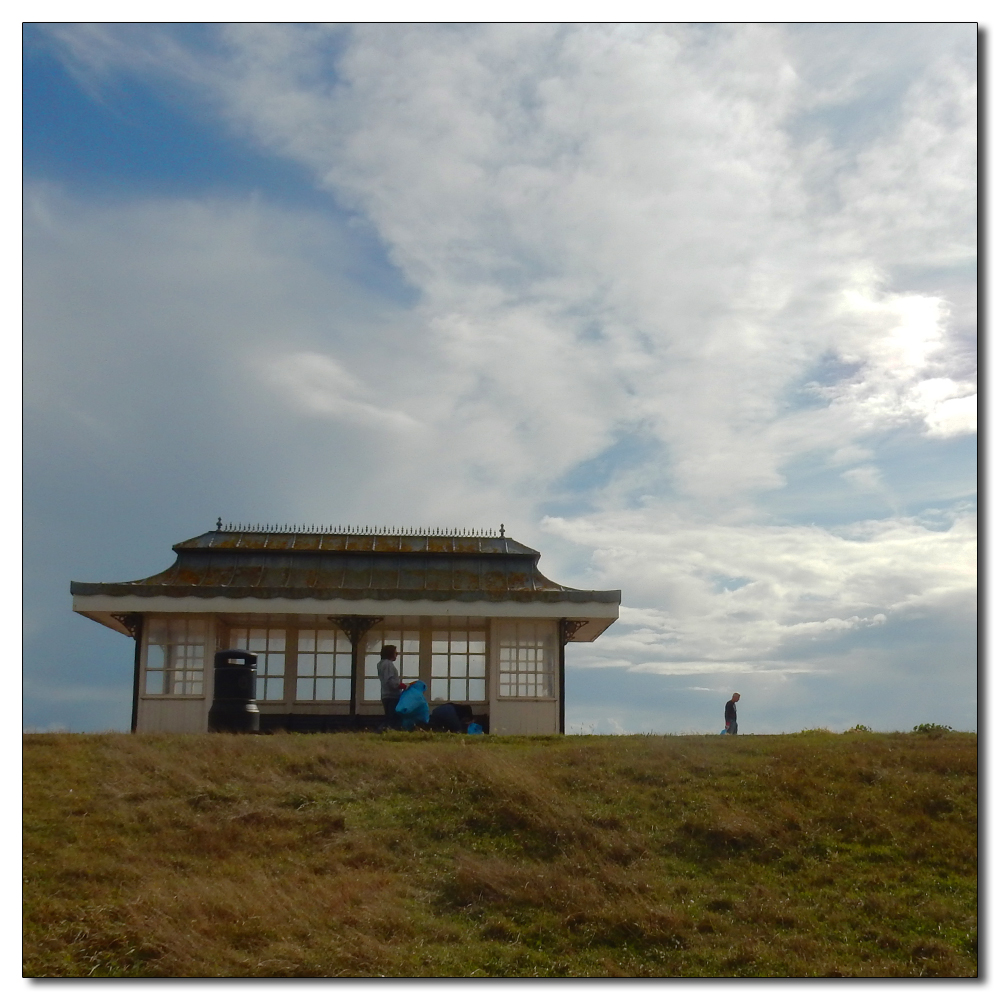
(501, 531)
(218, 525)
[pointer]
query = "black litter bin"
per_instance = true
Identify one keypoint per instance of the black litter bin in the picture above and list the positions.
(234, 708)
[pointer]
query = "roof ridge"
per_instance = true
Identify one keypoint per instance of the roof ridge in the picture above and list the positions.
(356, 529)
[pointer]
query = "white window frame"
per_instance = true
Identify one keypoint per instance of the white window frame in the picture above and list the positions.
(527, 658)
(335, 649)
(456, 666)
(182, 667)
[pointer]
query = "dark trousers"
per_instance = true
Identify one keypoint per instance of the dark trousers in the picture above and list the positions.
(389, 704)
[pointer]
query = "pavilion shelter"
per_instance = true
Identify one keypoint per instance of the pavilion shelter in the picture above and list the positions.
(469, 612)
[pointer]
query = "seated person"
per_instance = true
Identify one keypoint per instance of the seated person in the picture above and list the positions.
(451, 718)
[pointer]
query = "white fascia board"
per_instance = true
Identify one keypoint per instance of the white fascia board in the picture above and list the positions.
(93, 605)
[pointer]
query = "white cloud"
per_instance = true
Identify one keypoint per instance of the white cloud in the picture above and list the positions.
(320, 384)
(609, 225)
(796, 584)
(866, 478)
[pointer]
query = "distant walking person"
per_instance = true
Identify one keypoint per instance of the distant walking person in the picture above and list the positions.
(730, 729)
(392, 687)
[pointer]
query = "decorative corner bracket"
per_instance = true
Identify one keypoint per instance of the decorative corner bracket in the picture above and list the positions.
(131, 621)
(354, 626)
(568, 627)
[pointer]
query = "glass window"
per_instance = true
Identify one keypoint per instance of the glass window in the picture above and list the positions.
(175, 656)
(269, 645)
(324, 666)
(458, 665)
(527, 660)
(407, 643)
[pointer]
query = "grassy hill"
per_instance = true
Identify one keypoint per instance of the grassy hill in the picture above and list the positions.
(436, 855)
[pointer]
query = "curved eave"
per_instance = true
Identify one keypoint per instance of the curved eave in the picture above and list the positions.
(295, 593)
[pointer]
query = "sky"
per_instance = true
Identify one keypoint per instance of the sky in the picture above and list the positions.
(691, 309)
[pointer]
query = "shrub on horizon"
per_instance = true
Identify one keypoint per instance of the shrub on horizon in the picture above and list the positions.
(933, 729)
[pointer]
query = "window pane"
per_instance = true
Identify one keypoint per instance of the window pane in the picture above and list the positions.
(342, 689)
(156, 631)
(477, 645)
(326, 641)
(459, 644)
(324, 664)
(324, 689)
(306, 665)
(439, 666)
(439, 690)
(276, 638)
(275, 689)
(155, 659)
(477, 690)
(373, 690)
(343, 664)
(307, 640)
(477, 666)
(276, 663)
(457, 691)
(257, 640)
(440, 642)
(154, 682)
(304, 689)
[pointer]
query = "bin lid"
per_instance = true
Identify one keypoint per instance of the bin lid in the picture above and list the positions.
(244, 655)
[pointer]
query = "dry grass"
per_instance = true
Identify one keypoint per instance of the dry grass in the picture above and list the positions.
(420, 855)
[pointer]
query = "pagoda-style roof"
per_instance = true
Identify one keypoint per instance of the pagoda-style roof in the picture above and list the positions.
(352, 565)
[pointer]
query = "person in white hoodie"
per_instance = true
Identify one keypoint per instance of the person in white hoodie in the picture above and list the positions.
(392, 686)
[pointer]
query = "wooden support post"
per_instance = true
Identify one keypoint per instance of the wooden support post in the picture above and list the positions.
(133, 622)
(354, 627)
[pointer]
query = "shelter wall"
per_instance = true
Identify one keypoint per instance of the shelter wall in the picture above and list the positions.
(441, 651)
(524, 676)
(171, 712)
(173, 715)
(524, 718)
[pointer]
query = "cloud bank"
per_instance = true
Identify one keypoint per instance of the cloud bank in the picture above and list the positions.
(690, 308)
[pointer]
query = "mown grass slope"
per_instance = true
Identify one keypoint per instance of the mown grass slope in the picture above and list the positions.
(435, 855)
